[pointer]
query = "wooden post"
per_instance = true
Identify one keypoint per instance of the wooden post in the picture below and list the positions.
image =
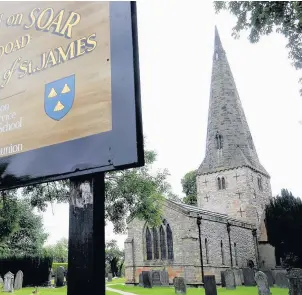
(86, 255)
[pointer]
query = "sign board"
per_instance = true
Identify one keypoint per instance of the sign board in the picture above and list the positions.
(69, 90)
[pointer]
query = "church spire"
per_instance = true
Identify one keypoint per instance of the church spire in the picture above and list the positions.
(229, 141)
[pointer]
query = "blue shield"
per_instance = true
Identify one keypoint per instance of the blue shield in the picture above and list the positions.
(58, 97)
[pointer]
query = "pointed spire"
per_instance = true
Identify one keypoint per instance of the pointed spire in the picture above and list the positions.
(229, 140)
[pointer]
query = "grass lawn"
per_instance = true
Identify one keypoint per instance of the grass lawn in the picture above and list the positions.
(117, 281)
(195, 291)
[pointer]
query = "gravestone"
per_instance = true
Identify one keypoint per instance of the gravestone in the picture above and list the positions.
(222, 279)
(295, 281)
(270, 277)
(229, 279)
(18, 280)
(110, 277)
(156, 278)
(237, 275)
(281, 280)
(262, 283)
(210, 285)
(147, 281)
(59, 276)
(8, 282)
(180, 285)
(248, 277)
(140, 280)
(164, 278)
(1, 281)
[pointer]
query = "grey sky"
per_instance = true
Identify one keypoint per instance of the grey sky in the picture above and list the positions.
(176, 46)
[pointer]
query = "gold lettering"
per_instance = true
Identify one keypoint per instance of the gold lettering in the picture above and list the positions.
(73, 20)
(9, 47)
(8, 74)
(32, 17)
(80, 45)
(25, 40)
(92, 42)
(63, 55)
(51, 59)
(17, 46)
(48, 21)
(56, 22)
(23, 68)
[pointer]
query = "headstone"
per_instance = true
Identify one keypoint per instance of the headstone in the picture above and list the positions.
(18, 280)
(8, 282)
(262, 283)
(237, 275)
(270, 277)
(147, 281)
(180, 285)
(164, 278)
(222, 279)
(295, 281)
(248, 277)
(229, 279)
(1, 281)
(210, 285)
(281, 280)
(140, 280)
(110, 277)
(156, 278)
(59, 276)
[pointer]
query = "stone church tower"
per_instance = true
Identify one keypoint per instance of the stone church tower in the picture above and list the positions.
(231, 179)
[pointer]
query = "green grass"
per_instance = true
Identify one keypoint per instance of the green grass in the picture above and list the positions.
(117, 281)
(195, 291)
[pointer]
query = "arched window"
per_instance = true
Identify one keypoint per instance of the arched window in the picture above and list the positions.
(222, 182)
(207, 250)
(170, 242)
(218, 141)
(219, 183)
(148, 244)
(155, 244)
(163, 249)
(236, 255)
(222, 253)
(260, 183)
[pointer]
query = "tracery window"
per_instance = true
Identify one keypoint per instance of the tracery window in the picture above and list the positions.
(155, 244)
(148, 244)
(163, 249)
(169, 242)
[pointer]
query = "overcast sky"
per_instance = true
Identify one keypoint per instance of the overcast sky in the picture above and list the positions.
(176, 41)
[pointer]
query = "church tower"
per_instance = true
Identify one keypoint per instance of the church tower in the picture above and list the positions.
(231, 179)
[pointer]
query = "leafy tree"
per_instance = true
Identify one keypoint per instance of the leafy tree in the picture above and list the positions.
(283, 218)
(58, 251)
(132, 192)
(114, 258)
(264, 17)
(188, 183)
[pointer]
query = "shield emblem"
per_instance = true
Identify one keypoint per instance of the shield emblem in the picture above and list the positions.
(58, 97)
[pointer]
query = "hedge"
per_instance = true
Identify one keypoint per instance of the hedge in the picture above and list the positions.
(55, 265)
(35, 269)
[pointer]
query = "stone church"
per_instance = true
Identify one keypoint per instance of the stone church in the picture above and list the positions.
(226, 228)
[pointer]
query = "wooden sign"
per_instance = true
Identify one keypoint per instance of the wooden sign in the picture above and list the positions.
(69, 90)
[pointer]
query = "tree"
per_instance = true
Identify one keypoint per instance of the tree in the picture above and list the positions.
(283, 218)
(133, 192)
(264, 17)
(58, 251)
(114, 258)
(189, 187)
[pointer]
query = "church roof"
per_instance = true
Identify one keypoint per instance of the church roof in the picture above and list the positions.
(226, 119)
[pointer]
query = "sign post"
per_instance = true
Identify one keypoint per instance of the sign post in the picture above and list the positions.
(70, 109)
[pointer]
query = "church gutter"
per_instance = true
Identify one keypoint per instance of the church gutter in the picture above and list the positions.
(200, 246)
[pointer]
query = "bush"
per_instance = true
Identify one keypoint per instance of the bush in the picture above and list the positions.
(55, 265)
(35, 269)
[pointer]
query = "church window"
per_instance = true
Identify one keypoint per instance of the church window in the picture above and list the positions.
(163, 249)
(236, 254)
(207, 250)
(218, 141)
(155, 244)
(222, 182)
(219, 183)
(260, 183)
(148, 244)
(216, 56)
(170, 242)
(222, 253)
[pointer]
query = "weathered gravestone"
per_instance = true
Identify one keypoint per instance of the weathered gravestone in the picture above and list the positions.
(8, 282)
(110, 277)
(59, 276)
(248, 277)
(18, 280)
(237, 276)
(229, 279)
(210, 285)
(270, 277)
(164, 278)
(180, 285)
(262, 283)
(140, 280)
(222, 279)
(281, 280)
(295, 281)
(147, 281)
(156, 278)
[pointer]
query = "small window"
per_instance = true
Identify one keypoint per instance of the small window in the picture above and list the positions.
(236, 255)
(216, 56)
(222, 253)
(218, 141)
(260, 183)
(207, 250)
(222, 182)
(219, 183)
